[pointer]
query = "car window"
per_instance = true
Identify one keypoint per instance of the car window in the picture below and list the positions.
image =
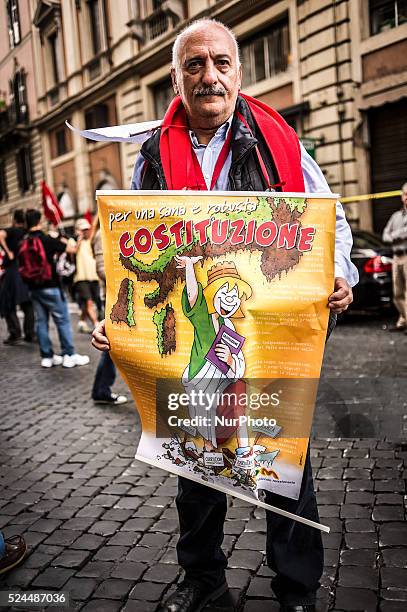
(366, 241)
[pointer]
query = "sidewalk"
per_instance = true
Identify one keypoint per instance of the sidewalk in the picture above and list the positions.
(103, 527)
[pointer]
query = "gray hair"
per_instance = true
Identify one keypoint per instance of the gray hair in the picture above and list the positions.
(198, 25)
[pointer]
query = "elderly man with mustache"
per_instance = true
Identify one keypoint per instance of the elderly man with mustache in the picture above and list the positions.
(215, 138)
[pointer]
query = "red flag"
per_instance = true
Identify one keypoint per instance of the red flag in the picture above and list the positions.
(88, 216)
(52, 210)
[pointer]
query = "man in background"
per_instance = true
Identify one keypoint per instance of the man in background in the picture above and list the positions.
(13, 291)
(49, 300)
(86, 280)
(395, 233)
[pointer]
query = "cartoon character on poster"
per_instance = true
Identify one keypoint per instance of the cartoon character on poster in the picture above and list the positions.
(217, 364)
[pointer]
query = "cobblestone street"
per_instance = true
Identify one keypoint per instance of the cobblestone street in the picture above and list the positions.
(104, 527)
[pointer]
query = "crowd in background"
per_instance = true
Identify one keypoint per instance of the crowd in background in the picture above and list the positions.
(41, 273)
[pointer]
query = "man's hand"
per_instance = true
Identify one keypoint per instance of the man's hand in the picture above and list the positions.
(340, 299)
(100, 340)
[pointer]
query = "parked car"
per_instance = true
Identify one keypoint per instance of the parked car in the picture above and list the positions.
(373, 261)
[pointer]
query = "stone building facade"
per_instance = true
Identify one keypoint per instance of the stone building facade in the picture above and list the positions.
(336, 69)
(21, 166)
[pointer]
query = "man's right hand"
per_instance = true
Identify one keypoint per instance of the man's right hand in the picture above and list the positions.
(100, 340)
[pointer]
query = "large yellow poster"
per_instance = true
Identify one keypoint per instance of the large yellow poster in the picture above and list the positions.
(216, 312)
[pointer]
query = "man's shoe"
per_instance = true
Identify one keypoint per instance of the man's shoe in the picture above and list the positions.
(83, 328)
(49, 362)
(30, 339)
(191, 598)
(70, 361)
(114, 399)
(16, 549)
(12, 340)
(297, 608)
(46, 362)
(398, 328)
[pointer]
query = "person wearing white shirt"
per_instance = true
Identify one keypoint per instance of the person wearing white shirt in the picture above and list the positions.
(215, 137)
(395, 233)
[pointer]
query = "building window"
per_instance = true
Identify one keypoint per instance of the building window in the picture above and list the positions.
(158, 24)
(163, 93)
(161, 16)
(97, 116)
(386, 14)
(266, 54)
(60, 140)
(3, 183)
(54, 56)
(95, 26)
(13, 19)
(24, 169)
(18, 98)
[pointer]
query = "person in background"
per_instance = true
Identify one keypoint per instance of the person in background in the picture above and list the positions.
(12, 552)
(48, 299)
(106, 371)
(395, 233)
(13, 291)
(86, 281)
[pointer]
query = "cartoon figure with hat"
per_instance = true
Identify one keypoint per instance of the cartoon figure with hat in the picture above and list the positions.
(209, 310)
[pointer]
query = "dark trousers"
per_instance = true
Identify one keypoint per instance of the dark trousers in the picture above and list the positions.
(104, 378)
(294, 551)
(13, 324)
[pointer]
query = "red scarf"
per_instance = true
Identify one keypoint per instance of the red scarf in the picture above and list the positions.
(179, 162)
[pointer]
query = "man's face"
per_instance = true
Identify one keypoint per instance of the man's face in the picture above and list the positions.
(207, 76)
(404, 196)
(83, 233)
(226, 302)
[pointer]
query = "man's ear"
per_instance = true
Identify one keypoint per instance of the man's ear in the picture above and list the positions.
(174, 81)
(240, 77)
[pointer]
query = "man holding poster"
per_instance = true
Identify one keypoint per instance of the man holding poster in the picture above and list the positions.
(214, 138)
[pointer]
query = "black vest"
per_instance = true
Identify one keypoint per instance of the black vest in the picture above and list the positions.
(245, 173)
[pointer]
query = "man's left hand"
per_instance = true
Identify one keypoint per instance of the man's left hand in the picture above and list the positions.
(340, 299)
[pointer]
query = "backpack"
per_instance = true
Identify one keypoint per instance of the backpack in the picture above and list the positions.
(33, 264)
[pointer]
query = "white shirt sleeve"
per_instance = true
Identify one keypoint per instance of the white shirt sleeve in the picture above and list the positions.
(315, 182)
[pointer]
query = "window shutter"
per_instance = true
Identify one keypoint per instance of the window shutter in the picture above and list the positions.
(10, 25)
(16, 21)
(22, 97)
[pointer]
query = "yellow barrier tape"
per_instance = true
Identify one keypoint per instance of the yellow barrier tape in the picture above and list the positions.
(371, 196)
